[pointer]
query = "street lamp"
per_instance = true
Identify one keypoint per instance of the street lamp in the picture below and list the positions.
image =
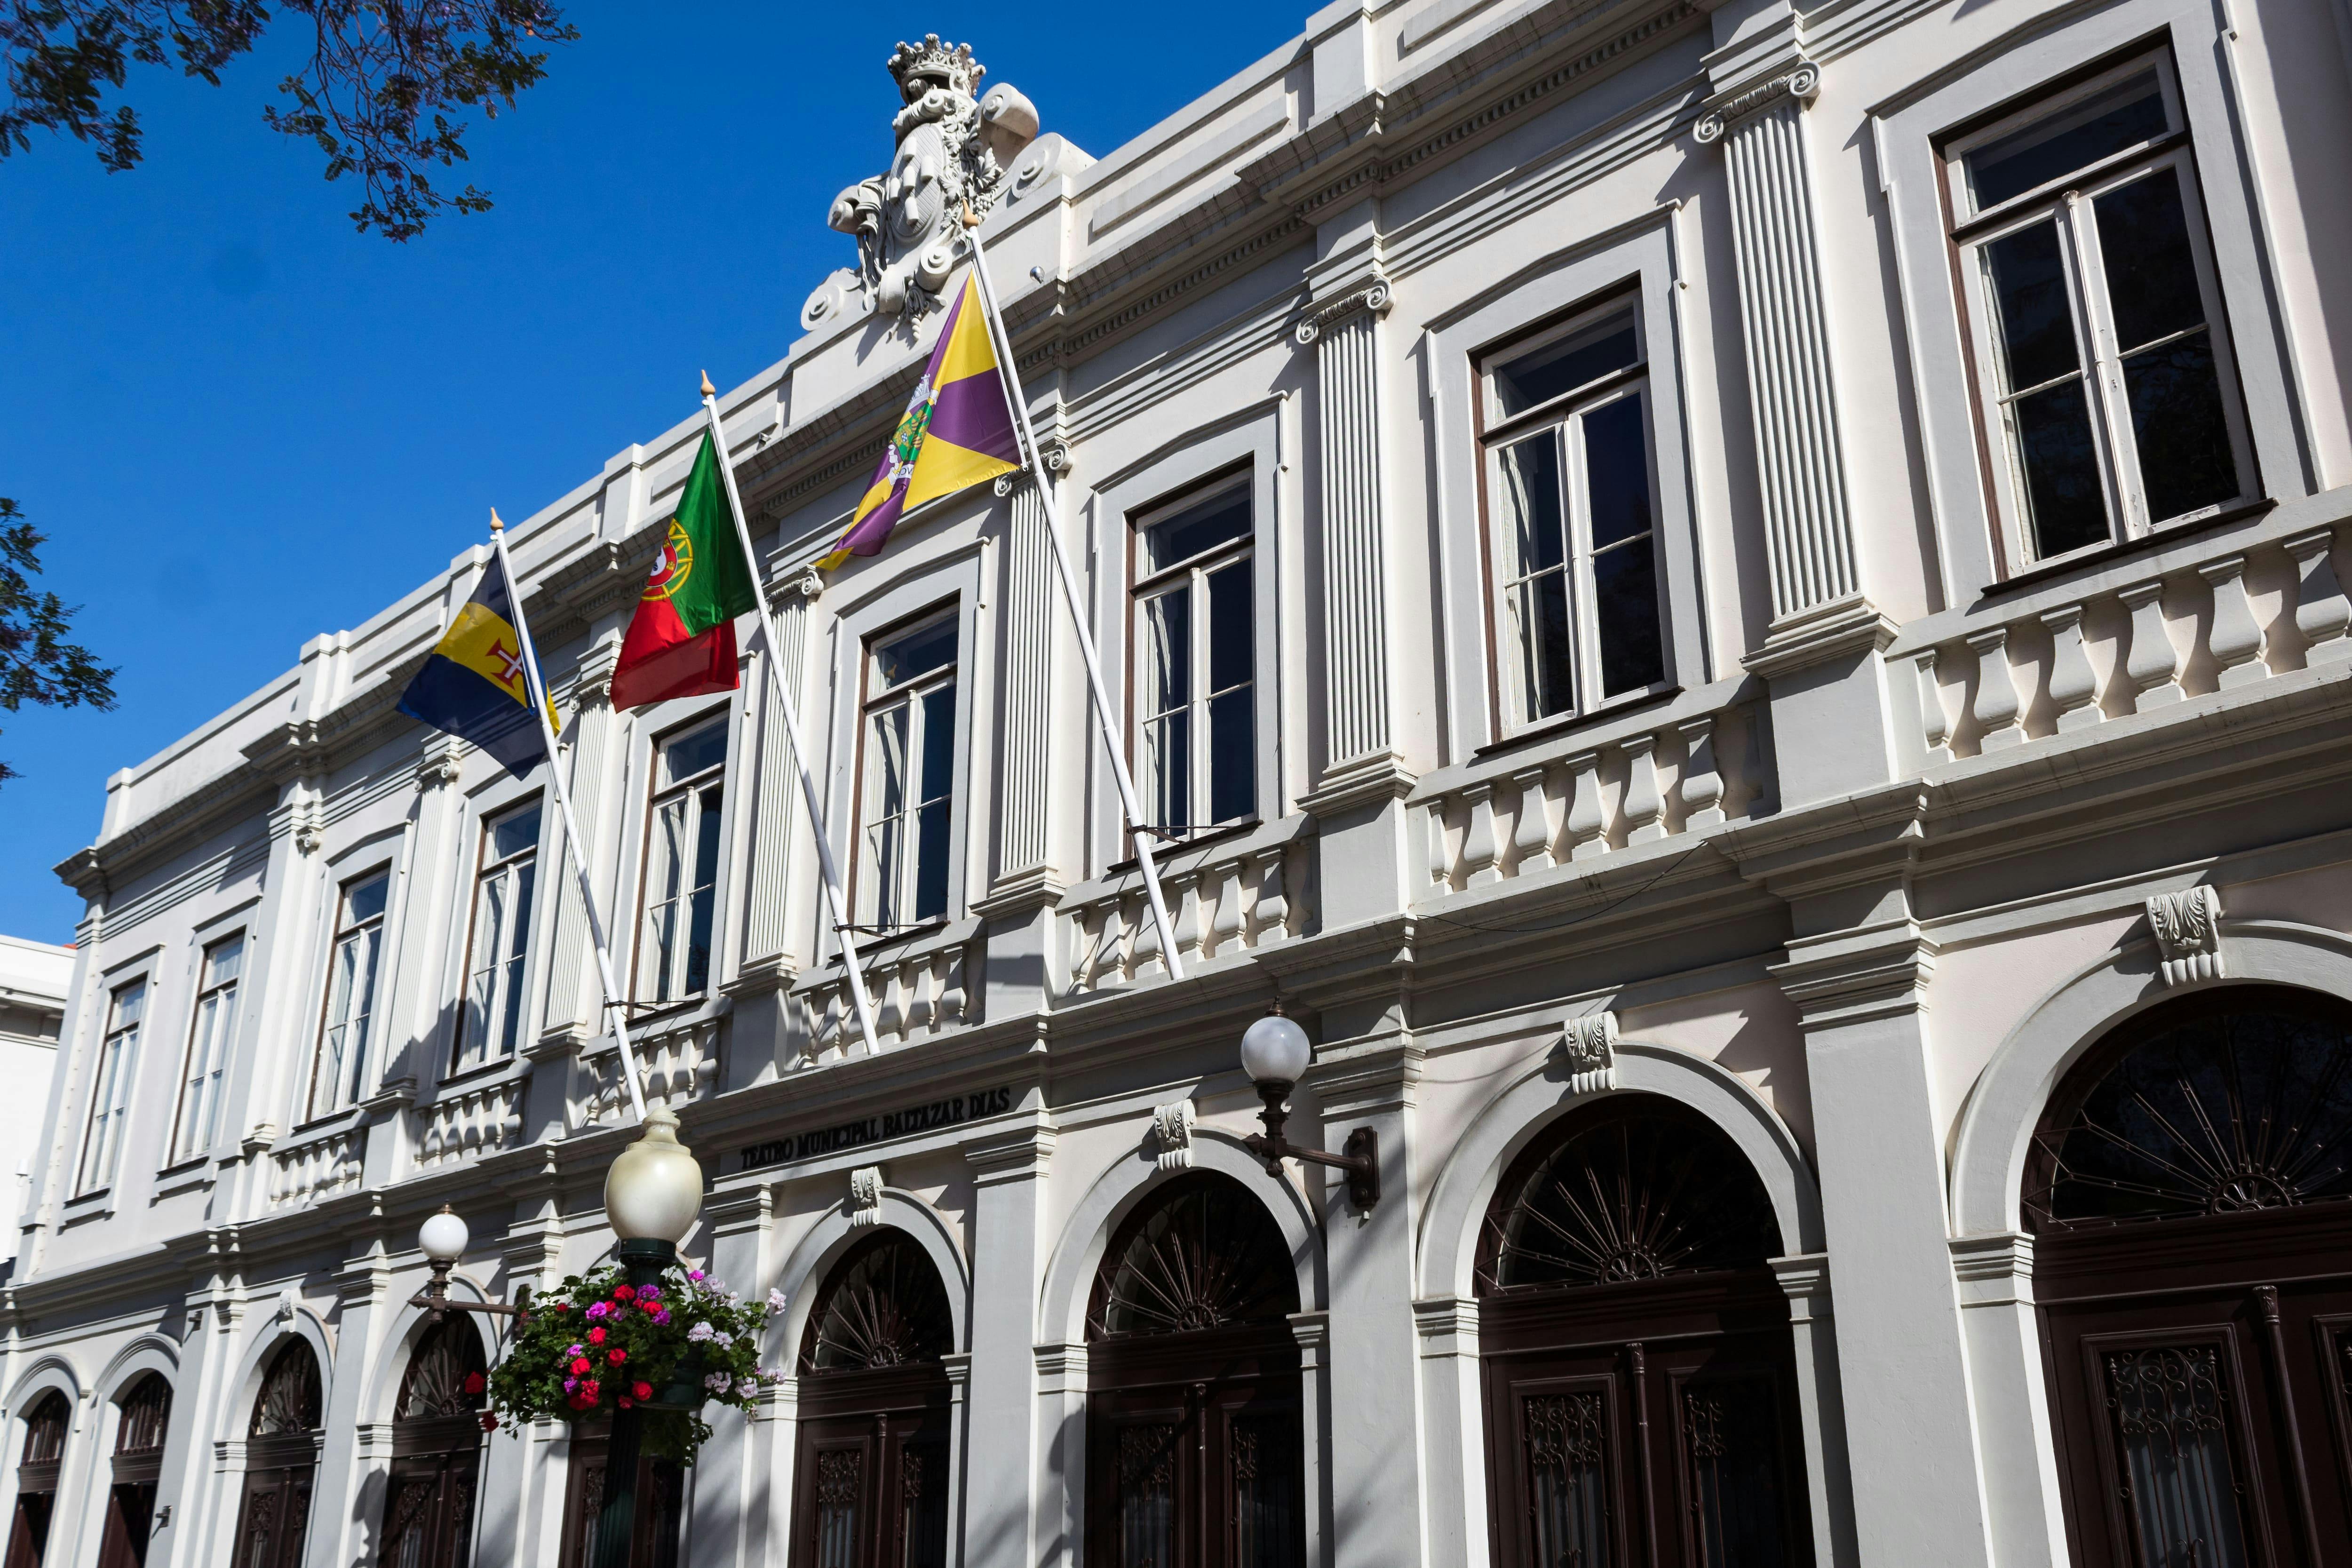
(444, 1236)
(1275, 1053)
(652, 1194)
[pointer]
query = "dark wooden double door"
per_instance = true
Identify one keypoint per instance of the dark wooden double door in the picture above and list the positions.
(276, 1510)
(1644, 1424)
(2202, 1379)
(872, 1472)
(433, 1493)
(1194, 1451)
(660, 1504)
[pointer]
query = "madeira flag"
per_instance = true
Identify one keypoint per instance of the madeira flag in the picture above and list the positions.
(474, 684)
(956, 431)
(681, 641)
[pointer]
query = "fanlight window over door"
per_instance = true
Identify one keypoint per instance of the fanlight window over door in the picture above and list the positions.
(874, 1412)
(1640, 1381)
(280, 1456)
(1196, 1455)
(45, 1427)
(429, 1502)
(2193, 1259)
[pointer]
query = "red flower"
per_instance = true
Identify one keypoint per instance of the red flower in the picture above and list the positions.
(563, 1306)
(592, 1391)
(624, 1293)
(616, 1355)
(596, 1336)
(579, 1366)
(489, 1422)
(650, 1306)
(476, 1382)
(627, 1403)
(642, 1390)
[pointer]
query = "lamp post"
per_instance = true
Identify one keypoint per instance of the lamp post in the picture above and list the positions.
(444, 1237)
(1275, 1053)
(652, 1195)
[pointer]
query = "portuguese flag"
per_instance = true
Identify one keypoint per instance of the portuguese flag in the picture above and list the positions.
(681, 641)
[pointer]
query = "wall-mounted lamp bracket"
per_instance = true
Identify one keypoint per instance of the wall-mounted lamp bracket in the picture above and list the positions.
(1359, 1158)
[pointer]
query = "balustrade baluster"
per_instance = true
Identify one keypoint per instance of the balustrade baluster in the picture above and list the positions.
(2322, 613)
(917, 977)
(1225, 924)
(1997, 705)
(1935, 723)
(1588, 824)
(1702, 781)
(2153, 665)
(1644, 807)
(2073, 689)
(2237, 640)
(1531, 832)
(1271, 919)
(1481, 856)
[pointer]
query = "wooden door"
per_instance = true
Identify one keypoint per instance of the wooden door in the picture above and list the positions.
(1195, 1453)
(872, 1482)
(428, 1511)
(273, 1515)
(660, 1504)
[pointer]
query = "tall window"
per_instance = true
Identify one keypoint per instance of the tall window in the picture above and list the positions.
(335, 1081)
(500, 946)
(910, 702)
(2098, 336)
(682, 864)
(1572, 531)
(208, 1047)
(109, 1089)
(1195, 659)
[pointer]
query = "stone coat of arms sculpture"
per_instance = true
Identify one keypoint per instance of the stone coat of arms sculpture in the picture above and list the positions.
(954, 150)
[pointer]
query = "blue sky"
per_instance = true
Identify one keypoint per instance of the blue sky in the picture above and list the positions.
(241, 424)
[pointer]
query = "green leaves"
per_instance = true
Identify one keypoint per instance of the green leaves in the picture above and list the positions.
(374, 97)
(37, 663)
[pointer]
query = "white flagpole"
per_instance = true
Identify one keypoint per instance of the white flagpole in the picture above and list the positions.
(832, 874)
(1112, 741)
(535, 687)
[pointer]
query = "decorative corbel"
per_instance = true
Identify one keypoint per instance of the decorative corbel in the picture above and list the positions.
(1589, 1047)
(865, 1196)
(2188, 930)
(1172, 1126)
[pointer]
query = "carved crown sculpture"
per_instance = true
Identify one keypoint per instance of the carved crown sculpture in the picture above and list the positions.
(954, 152)
(2187, 926)
(1589, 1047)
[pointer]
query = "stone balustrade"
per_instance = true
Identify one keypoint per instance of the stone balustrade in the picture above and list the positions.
(476, 1120)
(2076, 656)
(919, 989)
(676, 1064)
(1574, 800)
(317, 1167)
(1222, 899)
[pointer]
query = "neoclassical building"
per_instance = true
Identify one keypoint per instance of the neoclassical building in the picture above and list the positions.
(1738, 608)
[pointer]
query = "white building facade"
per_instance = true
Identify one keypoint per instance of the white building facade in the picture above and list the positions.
(34, 979)
(1738, 608)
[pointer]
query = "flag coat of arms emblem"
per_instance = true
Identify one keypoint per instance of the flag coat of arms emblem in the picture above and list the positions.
(957, 432)
(474, 684)
(681, 641)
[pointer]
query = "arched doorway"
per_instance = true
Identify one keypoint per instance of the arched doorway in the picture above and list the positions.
(145, 1415)
(2193, 1263)
(46, 1425)
(871, 1487)
(1640, 1394)
(1194, 1443)
(281, 1452)
(436, 1447)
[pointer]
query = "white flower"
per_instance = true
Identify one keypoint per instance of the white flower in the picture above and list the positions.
(700, 1332)
(776, 1300)
(721, 1338)
(746, 1389)
(717, 1383)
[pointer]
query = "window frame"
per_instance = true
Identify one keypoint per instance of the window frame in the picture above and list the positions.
(1566, 414)
(523, 963)
(865, 895)
(2067, 202)
(112, 1088)
(337, 931)
(1146, 583)
(693, 788)
(224, 1042)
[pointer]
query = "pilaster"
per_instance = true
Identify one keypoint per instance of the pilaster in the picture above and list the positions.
(1995, 1276)
(728, 1524)
(341, 1522)
(761, 1025)
(1455, 1449)
(573, 987)
(1008, 1257)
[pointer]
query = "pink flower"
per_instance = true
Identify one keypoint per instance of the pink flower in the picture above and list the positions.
(599, 1309)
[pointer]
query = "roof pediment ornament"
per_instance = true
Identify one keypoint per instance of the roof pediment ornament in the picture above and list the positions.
(955, 150)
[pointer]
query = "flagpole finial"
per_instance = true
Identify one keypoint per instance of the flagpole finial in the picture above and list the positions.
(496, 525)
(971, 218)
(708, 390)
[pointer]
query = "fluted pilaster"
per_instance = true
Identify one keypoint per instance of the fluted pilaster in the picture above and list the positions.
(1024, 848)
(572, 988)
(775, 828)
(1344, 335)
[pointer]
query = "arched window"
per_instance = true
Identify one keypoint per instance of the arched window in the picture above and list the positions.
(45, 1427)
(1195, 1437)
(872, 1487)
(1639, 1370)
(143, 1415)
(2193, 1265)
(281, 1453)
(437, 1443)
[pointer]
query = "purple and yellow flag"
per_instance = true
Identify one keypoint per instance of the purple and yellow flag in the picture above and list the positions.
(957, 432)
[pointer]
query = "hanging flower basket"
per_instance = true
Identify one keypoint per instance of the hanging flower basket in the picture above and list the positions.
(597, 1344)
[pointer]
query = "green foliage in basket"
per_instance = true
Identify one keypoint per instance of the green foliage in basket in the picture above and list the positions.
(595, 1344)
